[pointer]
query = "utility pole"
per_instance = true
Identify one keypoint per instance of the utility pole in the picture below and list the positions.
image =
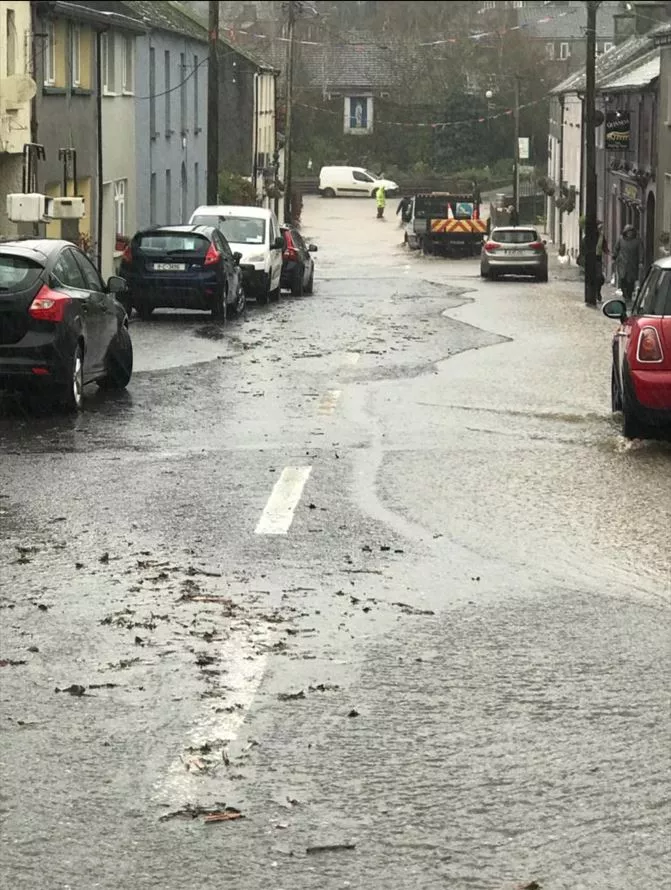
(589, 137)
(516, 171)
(213, 104)
(292, 4)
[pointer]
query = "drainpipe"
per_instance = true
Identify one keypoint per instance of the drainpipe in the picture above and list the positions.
(562, 101)
(255, 135)
(99, 124)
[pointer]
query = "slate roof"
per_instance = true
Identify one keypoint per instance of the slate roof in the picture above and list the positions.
(365, 65)
(609, 63)
(166, 16)
(636, 76)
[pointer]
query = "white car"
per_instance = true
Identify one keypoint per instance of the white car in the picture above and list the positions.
(254, 233)
(352, 181)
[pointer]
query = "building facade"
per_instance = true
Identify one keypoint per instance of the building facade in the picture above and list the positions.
(17, 87)
(663, 208)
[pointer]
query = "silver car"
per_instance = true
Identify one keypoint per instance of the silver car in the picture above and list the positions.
(514, 250)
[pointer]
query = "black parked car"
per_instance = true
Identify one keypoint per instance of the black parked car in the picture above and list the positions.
(183, 267)
(60, 326)
(298, 268)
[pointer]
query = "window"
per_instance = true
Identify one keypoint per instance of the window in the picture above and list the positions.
(168, 197)
(515, 236)
(564, 51)
(67, 272)
(120, 207)
(75, 55)
(196, 184)
(182, 93)
(168, 96)
(196, 96)
(128, 84)
(646, 295)
(152, 200)
(236, 229)
(358, 113)
(50, 54)
(91, 277)
(108, 63)
(661, 304)
(549, 51)
(11, 42)
(361, 177)
(152, 93)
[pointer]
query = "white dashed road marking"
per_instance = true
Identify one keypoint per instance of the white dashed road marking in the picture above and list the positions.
(329, 400)
(278, 514)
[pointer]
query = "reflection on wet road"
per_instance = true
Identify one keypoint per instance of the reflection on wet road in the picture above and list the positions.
(373, 567)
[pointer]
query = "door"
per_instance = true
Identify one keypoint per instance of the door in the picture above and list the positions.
(102, 303)
(68, 279)
(361, 183)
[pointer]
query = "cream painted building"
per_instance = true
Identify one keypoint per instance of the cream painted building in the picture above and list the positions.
(16, 90)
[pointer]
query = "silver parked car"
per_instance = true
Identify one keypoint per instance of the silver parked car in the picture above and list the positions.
(514, 250)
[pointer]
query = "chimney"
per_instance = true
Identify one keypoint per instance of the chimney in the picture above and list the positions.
(649, 15)
(625, 26)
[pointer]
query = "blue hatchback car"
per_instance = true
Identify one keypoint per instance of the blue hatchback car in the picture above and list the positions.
(182, 267)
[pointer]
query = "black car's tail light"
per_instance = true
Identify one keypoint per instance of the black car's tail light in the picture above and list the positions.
(49, 305)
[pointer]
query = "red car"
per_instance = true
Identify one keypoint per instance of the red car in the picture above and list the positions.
(641, 376)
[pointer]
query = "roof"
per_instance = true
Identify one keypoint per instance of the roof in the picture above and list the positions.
(199, 21)
(634, 76)
(101, 18)
(231, 210)
(363, 64)
(608, 63)
(166, 16)
(569, 23)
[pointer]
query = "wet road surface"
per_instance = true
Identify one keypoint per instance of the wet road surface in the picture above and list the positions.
(372, 567)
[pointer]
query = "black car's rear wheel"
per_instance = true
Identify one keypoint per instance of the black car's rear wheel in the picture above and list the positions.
(297, 283)
(71, 394)
(119, 362)
(310, 286)
(144, 310)
(238, 307)
(219, 306)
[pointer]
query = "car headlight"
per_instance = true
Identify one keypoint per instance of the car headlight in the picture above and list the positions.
(256, 258)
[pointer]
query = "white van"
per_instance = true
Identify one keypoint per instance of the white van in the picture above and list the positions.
(352, 181)
(255, 233)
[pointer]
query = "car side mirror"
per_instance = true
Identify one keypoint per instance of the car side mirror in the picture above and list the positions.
(544, 241)
(237, 256)
(116, 285)
(313, 248)
(278, 243)
(615, 309)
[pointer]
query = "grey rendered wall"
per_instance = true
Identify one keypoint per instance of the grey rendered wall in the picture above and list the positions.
(170, 149)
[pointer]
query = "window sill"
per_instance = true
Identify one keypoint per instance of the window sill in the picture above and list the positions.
(197, 131)
(130, 93)
(109, 94)
(81, 91)
(53, 90)
(169, 133)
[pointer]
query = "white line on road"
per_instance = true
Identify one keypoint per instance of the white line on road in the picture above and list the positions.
(352, 358)
(278, 514)
(329, 400)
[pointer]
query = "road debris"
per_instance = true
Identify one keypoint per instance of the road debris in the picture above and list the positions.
(10, 662)
(412, 610)
(291, 696)
(217, 813)
(75, 689)
(329, 848)
(353, 713)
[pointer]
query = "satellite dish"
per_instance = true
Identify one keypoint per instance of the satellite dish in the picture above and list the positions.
(17, 89)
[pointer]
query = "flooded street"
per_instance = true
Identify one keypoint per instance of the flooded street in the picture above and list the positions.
(372, 569)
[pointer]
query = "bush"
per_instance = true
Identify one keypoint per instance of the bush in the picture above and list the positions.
(236, 189)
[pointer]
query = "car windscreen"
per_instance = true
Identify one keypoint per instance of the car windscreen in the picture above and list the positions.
(17, 273)
(661, 301)
(514, 236)
(167, 243)
(236, 229)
